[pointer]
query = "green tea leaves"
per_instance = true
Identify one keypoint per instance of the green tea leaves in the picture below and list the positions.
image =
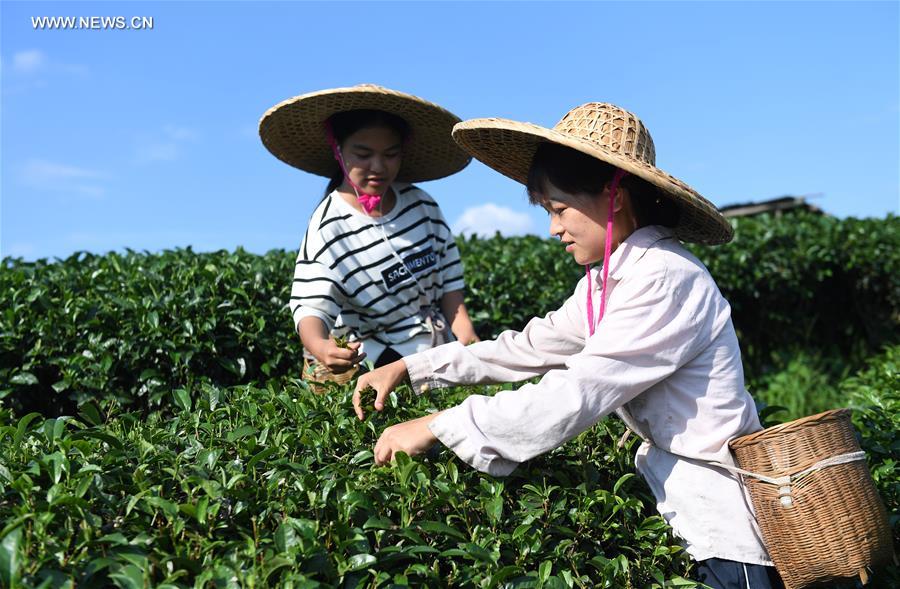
(9, 558)
(182, 399)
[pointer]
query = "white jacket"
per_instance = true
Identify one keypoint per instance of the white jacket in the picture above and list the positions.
(665, 357)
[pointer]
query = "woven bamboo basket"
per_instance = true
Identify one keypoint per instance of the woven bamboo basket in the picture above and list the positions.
(827, 523)
(317, 376)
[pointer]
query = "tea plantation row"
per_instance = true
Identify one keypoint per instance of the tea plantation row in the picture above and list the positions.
(133, 326)
(172, 445)
(247, 486)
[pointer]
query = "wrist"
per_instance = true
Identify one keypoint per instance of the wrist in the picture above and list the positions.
(465, 335)
(317, 348)
(400, 371)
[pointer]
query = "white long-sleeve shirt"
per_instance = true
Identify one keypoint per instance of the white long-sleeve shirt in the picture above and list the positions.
(665, 357)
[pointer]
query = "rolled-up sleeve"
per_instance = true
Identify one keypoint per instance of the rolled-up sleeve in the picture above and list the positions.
(545, 343)
(315, 292)
(650, 330)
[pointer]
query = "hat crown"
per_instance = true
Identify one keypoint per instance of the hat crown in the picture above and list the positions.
(611, 129)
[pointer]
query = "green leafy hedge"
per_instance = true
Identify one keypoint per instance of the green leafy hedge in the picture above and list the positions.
(247, 486)
(811, 283)
(874, 396)
(133, 326)
(176, 472)
(256, 487)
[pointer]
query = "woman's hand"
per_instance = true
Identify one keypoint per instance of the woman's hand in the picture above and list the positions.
(316, 339)
(383, 380)
(412, 437)
(338, 359)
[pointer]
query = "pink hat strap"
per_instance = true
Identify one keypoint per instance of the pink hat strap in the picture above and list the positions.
(614, 187)
(368, 201)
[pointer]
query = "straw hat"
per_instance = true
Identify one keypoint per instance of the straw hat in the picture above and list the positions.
(294, 131)
(606, 132)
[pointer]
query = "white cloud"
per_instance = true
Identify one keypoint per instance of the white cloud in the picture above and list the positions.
(485, 220)
(73, 180)
(180, 133)
(33, 70)
(158, 152)
(29, 62)
(165, 146)
(42, 170)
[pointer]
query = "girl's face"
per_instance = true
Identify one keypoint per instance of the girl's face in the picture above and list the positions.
(579, 221)
(372, 157)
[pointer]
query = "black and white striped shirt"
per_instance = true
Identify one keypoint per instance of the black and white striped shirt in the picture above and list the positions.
(345, 269)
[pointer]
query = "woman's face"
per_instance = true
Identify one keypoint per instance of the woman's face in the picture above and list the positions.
(372, 157)
(579, 221)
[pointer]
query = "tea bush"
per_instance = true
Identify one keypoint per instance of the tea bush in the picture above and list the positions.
(133, 326)
(509, 280)
(874, 394)
(803, 385)
(185, 455)
(246, 487)
(812, 283)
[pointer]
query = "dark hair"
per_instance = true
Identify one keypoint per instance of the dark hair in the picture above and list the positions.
(575, 172)
(344, 124)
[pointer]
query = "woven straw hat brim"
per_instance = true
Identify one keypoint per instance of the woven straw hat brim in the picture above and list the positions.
(509, 146)
(294, 131)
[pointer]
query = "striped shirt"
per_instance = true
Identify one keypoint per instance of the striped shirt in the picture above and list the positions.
(346, 275)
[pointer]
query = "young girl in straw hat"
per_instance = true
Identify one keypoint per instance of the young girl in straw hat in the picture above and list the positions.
(648, 337)
(378, 262)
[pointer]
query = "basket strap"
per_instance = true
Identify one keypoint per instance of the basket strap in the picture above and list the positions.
(778, 481)
(632, 427)
(788, 479)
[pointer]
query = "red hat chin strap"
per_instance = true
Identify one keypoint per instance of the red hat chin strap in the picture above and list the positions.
(614, 187)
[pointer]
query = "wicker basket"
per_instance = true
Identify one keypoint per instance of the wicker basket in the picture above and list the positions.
(317, 375)
(827, 522)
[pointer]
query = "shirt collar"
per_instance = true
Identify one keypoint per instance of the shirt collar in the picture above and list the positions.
(634, 247)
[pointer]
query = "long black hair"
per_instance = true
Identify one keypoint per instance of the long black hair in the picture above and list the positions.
(344, 124)
(575, 172)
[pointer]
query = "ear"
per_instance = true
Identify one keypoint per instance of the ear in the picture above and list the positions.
(621, 195)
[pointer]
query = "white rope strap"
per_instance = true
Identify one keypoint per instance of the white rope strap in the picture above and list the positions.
(788, 479)
(783, 483)
(432, 318)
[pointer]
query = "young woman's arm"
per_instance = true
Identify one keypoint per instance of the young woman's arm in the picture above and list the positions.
(454, 309)
(544, 344)
(655, 328)
(316, 339)
(316, 300)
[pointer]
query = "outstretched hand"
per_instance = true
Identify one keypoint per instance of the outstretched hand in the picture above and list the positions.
(383, 380)
(412, 437)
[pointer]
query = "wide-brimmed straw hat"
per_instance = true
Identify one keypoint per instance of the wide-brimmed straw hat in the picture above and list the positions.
(294, 131)
(603, 131)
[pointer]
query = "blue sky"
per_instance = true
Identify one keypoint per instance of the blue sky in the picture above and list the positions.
(147, 138)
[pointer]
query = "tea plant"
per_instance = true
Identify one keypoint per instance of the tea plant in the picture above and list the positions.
(131, 327)
(248, 486)
(151, 433)
(874, 394)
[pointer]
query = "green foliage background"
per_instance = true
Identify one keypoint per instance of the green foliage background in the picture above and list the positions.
(152, 432)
